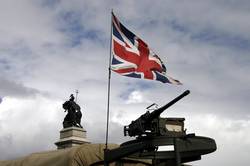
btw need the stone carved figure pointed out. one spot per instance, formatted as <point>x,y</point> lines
<point>74,115</point>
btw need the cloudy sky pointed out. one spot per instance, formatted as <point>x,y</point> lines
<point>50,48</point>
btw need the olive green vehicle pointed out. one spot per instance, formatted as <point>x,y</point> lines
<point>84,155</point>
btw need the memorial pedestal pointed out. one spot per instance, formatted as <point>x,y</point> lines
<point>71,136</point>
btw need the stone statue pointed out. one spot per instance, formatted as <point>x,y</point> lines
<point>74,115</point>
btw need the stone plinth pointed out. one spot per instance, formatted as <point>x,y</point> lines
<point>71,136</point>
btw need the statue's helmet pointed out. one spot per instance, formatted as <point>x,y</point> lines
<point>72,98</point>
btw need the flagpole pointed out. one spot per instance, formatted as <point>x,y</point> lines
<point>109,78</point>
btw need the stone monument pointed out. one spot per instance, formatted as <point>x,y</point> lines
<point>72,134</point>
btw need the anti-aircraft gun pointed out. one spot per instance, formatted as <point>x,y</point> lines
<point>164,140</point>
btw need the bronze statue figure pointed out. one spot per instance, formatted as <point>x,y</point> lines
<point>74,115</point>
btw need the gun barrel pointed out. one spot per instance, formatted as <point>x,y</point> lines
<point>156,113</point>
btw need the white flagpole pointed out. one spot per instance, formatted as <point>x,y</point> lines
<point>109,78</point>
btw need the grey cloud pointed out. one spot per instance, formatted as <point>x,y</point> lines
<point>14,89</point>
<point>222,23</point>
<point>20,22</point>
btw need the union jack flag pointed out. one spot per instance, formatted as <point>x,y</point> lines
<point>133,58</point>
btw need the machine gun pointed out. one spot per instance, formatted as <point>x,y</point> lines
<point>150,124</point>
<point>153,132</point>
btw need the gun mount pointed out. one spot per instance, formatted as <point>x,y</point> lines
<point>150,124</point>
<point>153,133</point>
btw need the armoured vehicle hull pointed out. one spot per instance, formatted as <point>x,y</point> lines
<point>190,148</point>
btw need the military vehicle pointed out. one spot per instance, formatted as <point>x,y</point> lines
<point>155,136</point>
<point>158,141</point>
